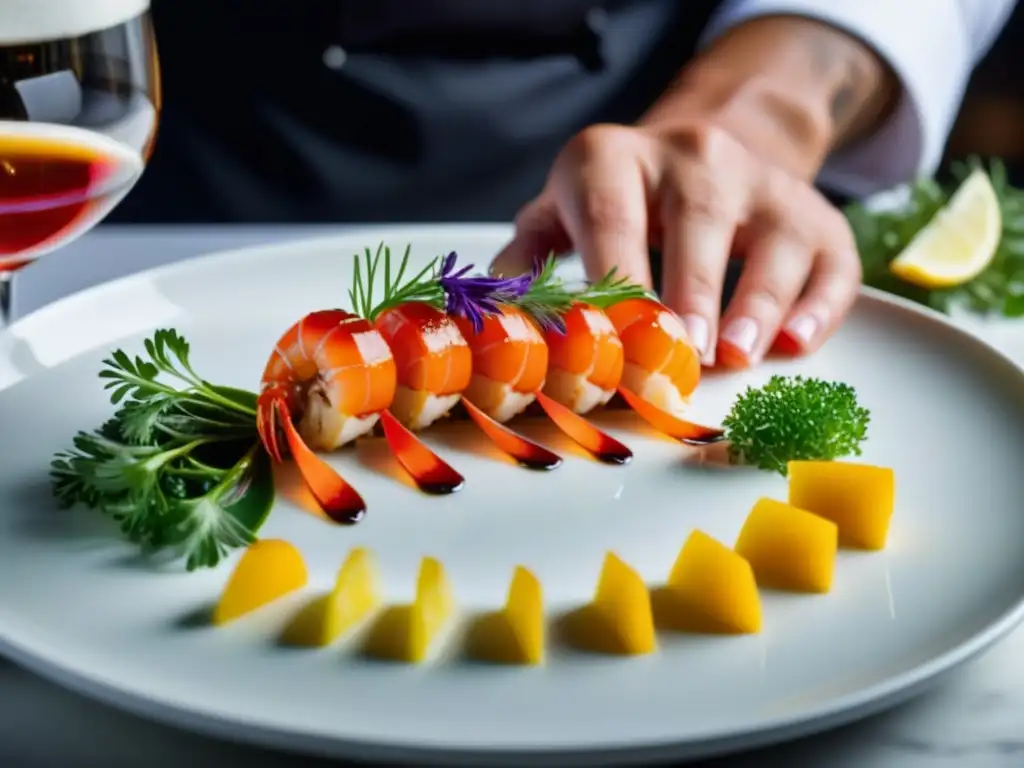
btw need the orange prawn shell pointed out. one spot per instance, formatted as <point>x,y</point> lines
<point>430,351</point>
<point>346,360</point>
<point>510,362</point>
<point>657,351</point>
<point>433,361</point>
<point>588,355</point>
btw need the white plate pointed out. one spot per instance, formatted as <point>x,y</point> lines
<point>947,414</point>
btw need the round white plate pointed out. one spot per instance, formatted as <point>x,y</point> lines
<point>77,606</point>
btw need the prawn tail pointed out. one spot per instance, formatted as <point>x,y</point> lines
<point>602,446</point>
<point>339,501</point>
<point>266,424</point>
<point>684,431</point>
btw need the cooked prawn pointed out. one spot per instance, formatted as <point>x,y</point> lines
<point>335,375</point>
<point>510,362</point>
<point>661,364</point>
<point>433,362</point>
<point>662,367</point>
<point>585,359</point>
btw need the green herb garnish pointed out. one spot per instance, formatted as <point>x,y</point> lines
<point>795,418</point>
<point>882,235</point>
<point>424,286</point>
<point>547,298</point>
<point>611,289</point>
<point>180,466</point>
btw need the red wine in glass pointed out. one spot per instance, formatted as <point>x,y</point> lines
<point>79,108</point>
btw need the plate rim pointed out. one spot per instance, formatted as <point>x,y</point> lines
<point>844,709</point>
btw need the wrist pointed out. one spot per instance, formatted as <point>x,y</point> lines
<point>791,128</point>
<point>790,89</point>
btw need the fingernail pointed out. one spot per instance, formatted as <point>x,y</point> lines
<point>741,334</point>
<point>697,329</point>
<point>802,328</point>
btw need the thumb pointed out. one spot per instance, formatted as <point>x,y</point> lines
<point>539,232</point>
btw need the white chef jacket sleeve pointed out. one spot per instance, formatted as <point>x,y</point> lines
<point>932,46</point>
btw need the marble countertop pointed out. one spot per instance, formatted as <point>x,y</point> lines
<point>975,716</point>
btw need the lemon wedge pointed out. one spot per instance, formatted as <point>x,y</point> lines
<point>959,242</point>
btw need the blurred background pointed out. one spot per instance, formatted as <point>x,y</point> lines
<point>991,122</point>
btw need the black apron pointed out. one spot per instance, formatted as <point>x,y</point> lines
<point>323,111</point>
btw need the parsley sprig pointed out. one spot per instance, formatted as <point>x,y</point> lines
<point>882,235</point>
<point>795,418</point>
<point>179,468</point>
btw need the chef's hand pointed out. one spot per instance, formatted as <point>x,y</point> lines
<point>702,184</point>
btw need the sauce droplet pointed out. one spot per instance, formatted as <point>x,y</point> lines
<point>685,431</point>
<point>339,500</point>
<point>604,447</point>
<point>430,473</point>
<point>526,452</point>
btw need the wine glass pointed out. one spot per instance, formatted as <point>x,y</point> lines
<point>79,107</point>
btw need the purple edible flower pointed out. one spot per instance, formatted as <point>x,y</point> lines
<point>476,297</point>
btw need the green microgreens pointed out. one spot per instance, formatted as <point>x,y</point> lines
<point>794,418</point>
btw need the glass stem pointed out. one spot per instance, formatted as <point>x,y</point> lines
<point>6,298</point>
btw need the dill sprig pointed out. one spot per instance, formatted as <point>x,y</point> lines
<point>794,418</point>
<point>179,467</point>
<point>547,298</point>
<point>882,235</point>
<point>611,289</point>
<point>424,286</point>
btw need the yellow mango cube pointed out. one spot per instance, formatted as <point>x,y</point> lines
<point>355,594</point>
<point>858,498</point>
<point>268,570</point>
<point>789,548</point>
<point>515,634</point>
<point>711,589</point>
<point>619,619</point>
<point>405,633</point>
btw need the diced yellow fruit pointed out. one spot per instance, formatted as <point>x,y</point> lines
<point>624,604</point>
<point>268,570</point>
<point>789,548</point>
<point>515,634</point>
<point>712,589</point>
<point>355,594</point>
<point>959,242</point>
<point>525,611</point>
<point>405,633</point>
<point>858,498</point>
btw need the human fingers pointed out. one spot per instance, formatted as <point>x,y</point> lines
<point>703,199</point>
<point>831,291</point>
<point>774,273</point>
<point>538,234</point>
<point>600,186</point>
